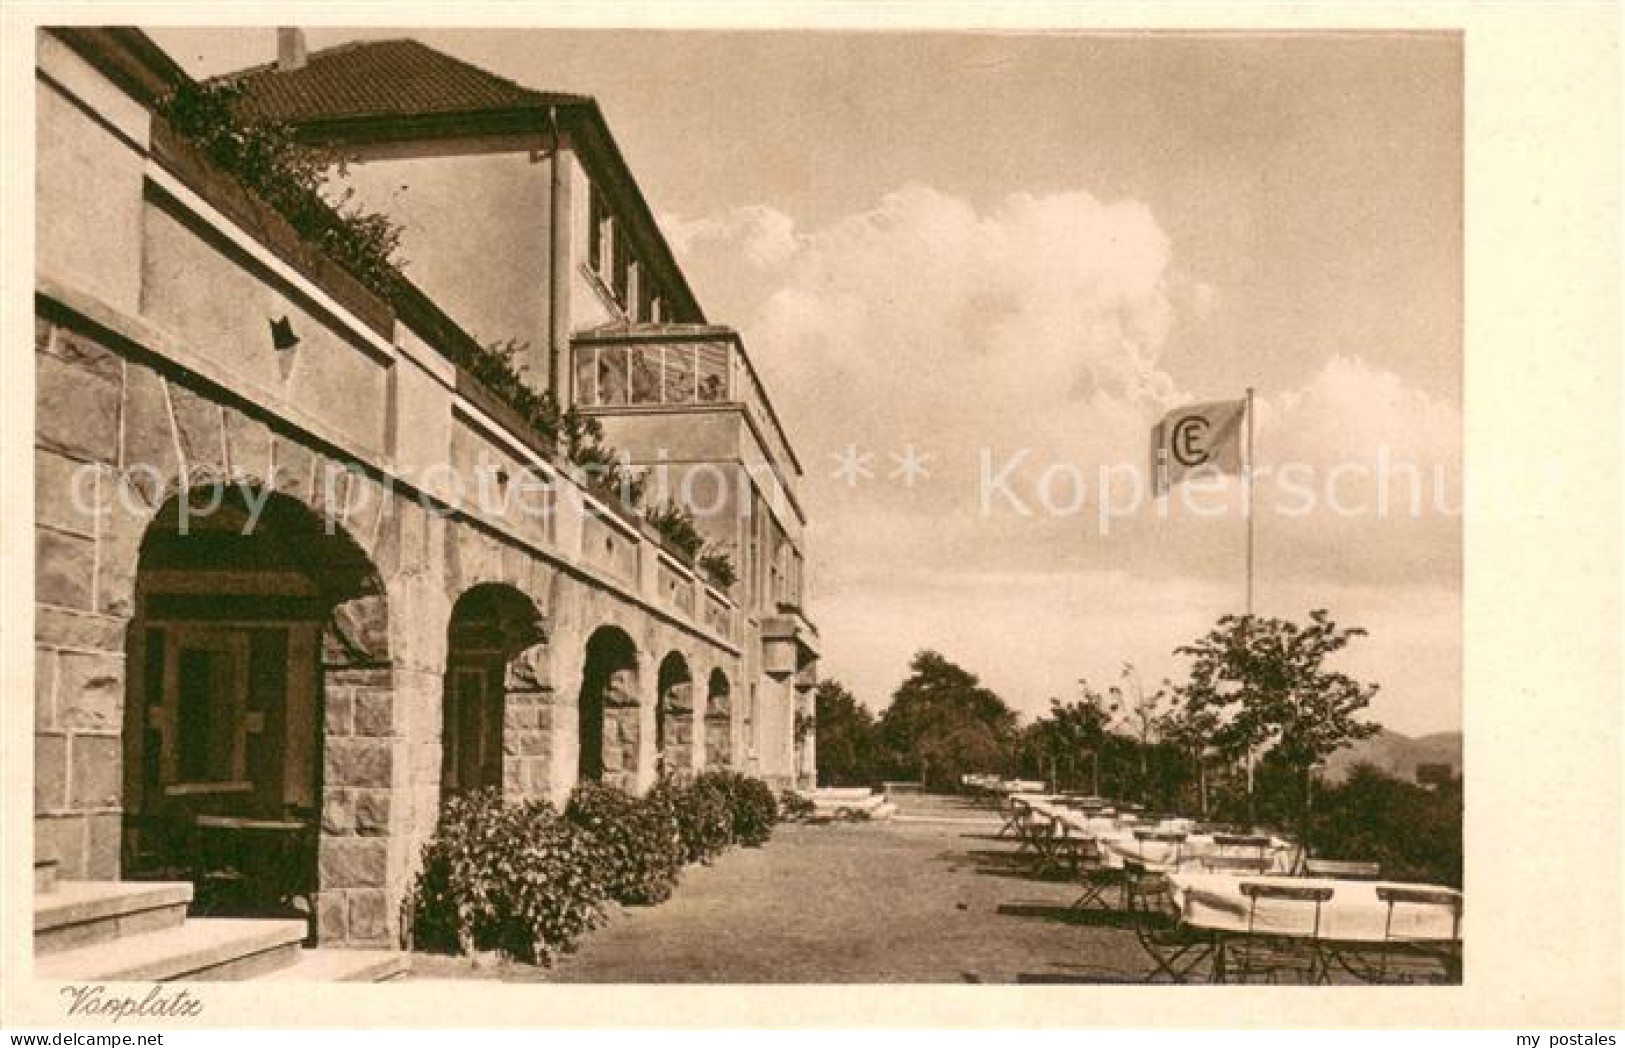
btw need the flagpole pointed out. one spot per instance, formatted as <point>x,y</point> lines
<point>1248,481</point>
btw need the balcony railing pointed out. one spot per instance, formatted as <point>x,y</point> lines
<point>676,366</point>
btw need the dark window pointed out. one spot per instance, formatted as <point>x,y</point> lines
<point>267,691</point>
<point>153,687</point>
<point>646,299</point>
<point>597,217</point>
<point>622,281</point>
<point>204,716</point>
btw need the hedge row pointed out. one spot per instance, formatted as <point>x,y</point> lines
<point>527,880</point>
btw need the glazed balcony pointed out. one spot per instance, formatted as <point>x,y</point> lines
<point>654,370</point>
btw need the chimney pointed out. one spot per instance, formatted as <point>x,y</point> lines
<point>290,50</point>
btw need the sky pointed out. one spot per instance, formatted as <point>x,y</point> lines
<point>1011,253</point>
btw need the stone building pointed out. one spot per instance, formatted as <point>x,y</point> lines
<point>299,575</point>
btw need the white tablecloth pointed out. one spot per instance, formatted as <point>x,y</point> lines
<point>1354,913</point>
<point>1118,843</point>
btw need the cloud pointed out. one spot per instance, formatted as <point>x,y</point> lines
<point>765,237</point>
<point>1032,334</point>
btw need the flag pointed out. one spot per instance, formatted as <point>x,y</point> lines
<point>1204,437</point>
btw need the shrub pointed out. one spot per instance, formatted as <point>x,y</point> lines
<point>751,802</point>
<point>704,819</point>
<point>719,566</point>
<point>608,474</point>
<point>793,807</point>
<point>755,812</point>
<point>676,526</point>
<point>1415,833</point>
<point>510,877</point>
<point>641,844</point>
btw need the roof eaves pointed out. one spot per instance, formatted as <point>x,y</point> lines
<point>623,172</point>
<point>129,57</point>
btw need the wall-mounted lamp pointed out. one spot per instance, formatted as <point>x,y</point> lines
<point>282,336</point>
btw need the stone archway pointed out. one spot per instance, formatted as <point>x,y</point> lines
<point>260,708</point>
<point>495,703</point>
<point>674,717</point>
<point>608,710</point>
<point>718,721</point>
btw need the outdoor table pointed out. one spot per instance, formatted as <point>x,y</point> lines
<point>235,822</point>
<point>1018,811</point>
<point>1118,844</point>
<point>1019,786</point>
<point>1355,919</point>
<point>272,858</point>
<point>1355,912</point>
<point>1041,821</point>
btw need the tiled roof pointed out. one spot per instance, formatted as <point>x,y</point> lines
<point>382,78</point>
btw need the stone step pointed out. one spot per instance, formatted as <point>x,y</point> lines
<point>45,872</point>
<point>215,949</point>
<point>83,913</point>
<point>336,965</point>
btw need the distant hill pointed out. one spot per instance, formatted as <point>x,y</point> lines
<point>1397,754</point>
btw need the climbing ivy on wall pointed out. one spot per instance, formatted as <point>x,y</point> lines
<point>268,160</point>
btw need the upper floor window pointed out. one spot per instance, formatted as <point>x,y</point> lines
<point>600,231</point>
<point>647,303</point>
<point>620,284</point>
<point>640,372</point>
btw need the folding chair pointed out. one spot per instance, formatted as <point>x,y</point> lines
<point>1342,869</point>
<point>1048,841</point>
<point>1015,813</point>
<point>1273,951</point>
<point>1234,864</point>
<point>1244,845</point>
<point>1177,951</point>
<point>1096,875</point>
<point>1420,958</point>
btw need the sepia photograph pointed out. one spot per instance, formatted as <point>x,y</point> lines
<point>541,504</point>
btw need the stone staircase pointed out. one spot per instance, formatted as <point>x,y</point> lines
<point>138,931</point>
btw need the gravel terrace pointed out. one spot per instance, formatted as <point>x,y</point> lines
<point>929,897</point>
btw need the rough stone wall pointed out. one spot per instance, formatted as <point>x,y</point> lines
<point>126,433</point>
<point>719,730</point>
<point>83,579</point>
<point>623,729</point>
<point>109,408</point>
<point>528,721</point>
<point>679,702</point>
<point>190,390</point>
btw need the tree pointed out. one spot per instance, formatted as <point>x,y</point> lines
<point>1070,733</point>
<point>1191,732</point>
<point>846,736</point>
<point>1266,681</point>
<point>1141,711</point>
<point>1414,832</point>
<point>942,723</point>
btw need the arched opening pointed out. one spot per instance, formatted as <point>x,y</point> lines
<point>718,721</point>
<point>251,615</point>
<point>608,709</point>
<point>674,716</point>
<point>495,677</point>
